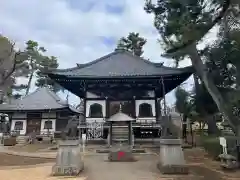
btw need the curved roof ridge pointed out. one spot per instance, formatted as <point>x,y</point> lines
<point>30,94</point>
<point>97,60</point>
<point>56,97</point>
<point>79,66</point>
<point>111,65</point>
<point>120,116</point>
<point>138,57</point>
<point>62,70</point>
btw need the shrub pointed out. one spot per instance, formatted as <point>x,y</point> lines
<point>211,146</point>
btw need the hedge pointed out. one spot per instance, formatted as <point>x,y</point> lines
<point>213,148</point>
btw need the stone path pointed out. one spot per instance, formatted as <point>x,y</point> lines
<point>98,168</point>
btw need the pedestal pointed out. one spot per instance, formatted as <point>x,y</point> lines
<point>121,154</point>
<point>68,161</point>
<point>171,157</point>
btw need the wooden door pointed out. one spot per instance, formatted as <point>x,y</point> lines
<point>33,125</point>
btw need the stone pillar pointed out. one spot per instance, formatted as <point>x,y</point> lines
<point>171,157</point>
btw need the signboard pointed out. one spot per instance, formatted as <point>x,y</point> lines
<point>223,143</point>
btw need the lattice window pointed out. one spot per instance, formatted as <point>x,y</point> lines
<point>34,115</point>
<point>18,125</point>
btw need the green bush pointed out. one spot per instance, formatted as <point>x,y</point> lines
<point>211,146</point>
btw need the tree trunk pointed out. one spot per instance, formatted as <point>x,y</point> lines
<point>184,127</point>
<point>202,72</point>
<point>212,126</point>
<point>238,74</point>
<point>29,83</point>
<point>1,96</point>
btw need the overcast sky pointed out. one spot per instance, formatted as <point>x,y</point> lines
<point>79,31</point>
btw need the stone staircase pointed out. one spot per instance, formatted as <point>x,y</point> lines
<point>22,140</point>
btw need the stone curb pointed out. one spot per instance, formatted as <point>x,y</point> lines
<point>30,155</point>
<point>53,156</point>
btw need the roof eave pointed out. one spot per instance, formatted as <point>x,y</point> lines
<point>186,70</point>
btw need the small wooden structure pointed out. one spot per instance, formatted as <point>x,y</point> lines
<point>120,137</point>
<point>120,128</point>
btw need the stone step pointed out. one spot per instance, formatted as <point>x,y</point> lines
<point>120,129</point>
<point>120,132</point>
<point>22,139</point>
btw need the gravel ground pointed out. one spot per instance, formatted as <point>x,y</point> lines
<point>97,168</point>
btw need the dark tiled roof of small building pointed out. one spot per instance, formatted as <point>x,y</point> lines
<point>41,99</point>
<point>120,64</point>
<point>120,117</point>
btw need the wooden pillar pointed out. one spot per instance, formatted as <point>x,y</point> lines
<point>85,103</point>
<point>156,110</point>
<point>110,133</point>
<point>107,108</point>
<point>130,133</point>
<point>134,107</point>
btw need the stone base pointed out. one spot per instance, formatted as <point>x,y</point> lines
<point>134,151</point>
<point>121,155</point>
<point>68,161</point>
<point>173,169</point>
<point>67,171</point>
<point>171,157</point>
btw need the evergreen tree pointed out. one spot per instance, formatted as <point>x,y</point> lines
<point>12,66</point>
<point>133,43</point>
<point>38,62</point>
<point>182,25</point>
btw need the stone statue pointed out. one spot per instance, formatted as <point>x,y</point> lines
<point>69,161</point>
<point>4,124</point>
<point>168,129</point>
<point>71,130</point>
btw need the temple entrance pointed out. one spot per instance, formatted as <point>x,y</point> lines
<point>33,123</point>
<point>33,126</point>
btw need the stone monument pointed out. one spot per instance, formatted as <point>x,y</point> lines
<point>171,157</point>
<point>69,161</point>
<point>171,154</point>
